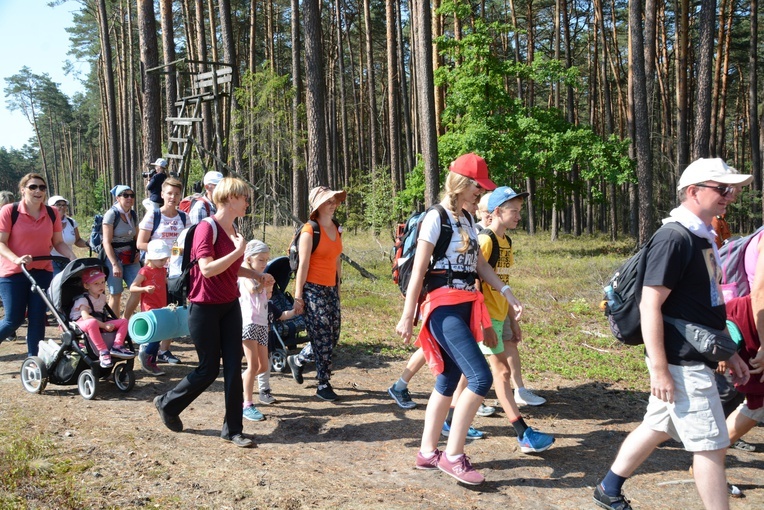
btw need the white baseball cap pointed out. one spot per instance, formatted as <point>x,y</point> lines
<point>160,162</point>
<point>56,198</point>
<point>712,169</point>
<point>212,177</point>
<point>157,250</point>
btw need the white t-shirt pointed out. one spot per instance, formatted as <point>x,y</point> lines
<point>168,229</point>
<point>68,225</point>
<point>465,262</point>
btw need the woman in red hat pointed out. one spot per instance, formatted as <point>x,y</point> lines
<point>454,318</point>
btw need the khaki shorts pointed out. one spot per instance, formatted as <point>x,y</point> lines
<point>498,326</point>
<point>696,417</point>
<point>754,414</point>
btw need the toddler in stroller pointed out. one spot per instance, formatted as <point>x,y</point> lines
<point>77,360</point>
<point>285,329</point>
<point>88,312</point>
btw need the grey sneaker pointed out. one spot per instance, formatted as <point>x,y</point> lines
<point>609,502</point>
<point>240,440</point>
<point>149,364</point>
<point>402,398</point>
<point>265,397</point>
<point>524,396</point>
<point>295,368</point>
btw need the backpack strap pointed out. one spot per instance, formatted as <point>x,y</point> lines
<point>155,224</point>
<point>317,232</point>
<point>182,217</point>
<point>446,231</point>
<point>15,213</point>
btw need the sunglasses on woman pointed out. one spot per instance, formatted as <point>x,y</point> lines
<point>35,187</point>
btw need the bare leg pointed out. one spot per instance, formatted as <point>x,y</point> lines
<point>513,361</point>
<point>501,383</point>
<point>164,345</point>
<point>739,425</point>
<point>459,389</point>
<point>253,365</point>
<point>132,304</point>
<point>708,471</point>
<point>464,413</point>
<point>636,448</point>
<point>435,415</point>
<point>114,302</point>
<point>416,362</point>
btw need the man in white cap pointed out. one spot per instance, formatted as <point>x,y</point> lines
<point>682,280</point>
<point>155,181</point>
<point>204,207</point>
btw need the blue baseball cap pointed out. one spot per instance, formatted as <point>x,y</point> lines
<point>501,195</point>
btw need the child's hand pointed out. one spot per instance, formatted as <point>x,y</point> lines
<point>107,326</point>
<point>150,289</point>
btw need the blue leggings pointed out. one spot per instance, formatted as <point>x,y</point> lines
<point>461,354</point>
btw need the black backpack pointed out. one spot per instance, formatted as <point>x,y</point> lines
<point>494,257</point>
<point>15,213</point>
<point>624,291</point>
<point>178,286</point>
<point>294,246</point>
<point>403,262</point>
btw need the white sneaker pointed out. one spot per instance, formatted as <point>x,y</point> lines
<point>524,396</point>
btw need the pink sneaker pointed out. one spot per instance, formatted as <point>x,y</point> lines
<point>462,470</point>
<point>425,463</point>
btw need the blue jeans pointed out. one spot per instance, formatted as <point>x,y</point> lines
<point>18,299</point>
<point>450,325</point>
<point>129,272</point>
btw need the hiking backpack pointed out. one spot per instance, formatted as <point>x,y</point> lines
<point>179,285</point>
<point>624,292</point>
<point>494,257</point>
<point>294,247</point>
<point>188,203</point>
<point>96,231</point>
<point>15,213</point>
<point>734,277</point>
<point>403,259</point>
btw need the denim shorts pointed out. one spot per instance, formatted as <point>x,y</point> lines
<point>696,417</point>
<point>129,272</point>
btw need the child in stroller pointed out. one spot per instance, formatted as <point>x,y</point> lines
<point>74,361</point>
<point>88,312</point>
<point>285,330</point>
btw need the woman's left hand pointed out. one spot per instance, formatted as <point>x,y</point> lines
<point>490,339</point>
<point>513,302</point>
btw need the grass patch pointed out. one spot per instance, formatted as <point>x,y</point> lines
<point>33,472</point>
<point>559,283</point>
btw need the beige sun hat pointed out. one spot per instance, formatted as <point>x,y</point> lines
<point>321,194</point>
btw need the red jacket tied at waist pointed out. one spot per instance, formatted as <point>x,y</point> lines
<point>444,296</point>
<point>740,312</point>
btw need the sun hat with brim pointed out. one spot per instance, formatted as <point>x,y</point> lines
<point>160,162</point>
<point>157,250</point>
<point>321,194</point>
<point>92,275</point>
<point>56,198</point>
<point>501,195</point>
<point>473,166</point>
<point>712,169</point>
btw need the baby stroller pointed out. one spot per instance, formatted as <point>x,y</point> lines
<point>283,335</point>
<point>75,361</point>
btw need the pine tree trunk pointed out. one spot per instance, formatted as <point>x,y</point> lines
<point>314,95</point>
<point>111,94</point>
<point>426,102</point>
<point>702,132</point>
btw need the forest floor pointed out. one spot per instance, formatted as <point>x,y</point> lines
<point>114,452</point>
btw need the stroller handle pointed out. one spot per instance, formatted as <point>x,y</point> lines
<point>57,258</point>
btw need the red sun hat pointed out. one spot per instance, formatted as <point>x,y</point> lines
<point>473,166</point>
<point>92,275</point>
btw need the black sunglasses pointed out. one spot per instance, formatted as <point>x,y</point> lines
<point>35,187</point>
<point>128,195</point>
<point>722,190</point>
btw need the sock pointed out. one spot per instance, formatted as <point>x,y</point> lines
<point>322,386</point>
<point>450,416</point>
<point>264,380</point>
<point>454,458</point>
<point>400,385</point>
<point>427,455</point>
<point>160,352</point>
<point>247,403</point>
<point>612,484</point>
<point>520,427</point>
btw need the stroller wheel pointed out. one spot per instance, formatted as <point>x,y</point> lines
<point>87,384</point>
<point>124,378</point>
<point>278,360</point>
<point>34,374</point>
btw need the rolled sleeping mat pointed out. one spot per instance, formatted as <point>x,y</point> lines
<point>160,324</point>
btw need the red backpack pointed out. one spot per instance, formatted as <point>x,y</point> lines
<point>187,203</point>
